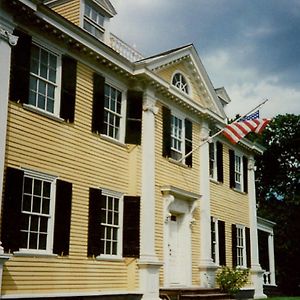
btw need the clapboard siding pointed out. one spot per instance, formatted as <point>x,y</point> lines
<point>69,10</point>
<point>75,154</point>
<point>228,205</point>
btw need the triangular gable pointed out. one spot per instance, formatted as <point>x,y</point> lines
<point>106,6</point>
<point>185,59</point>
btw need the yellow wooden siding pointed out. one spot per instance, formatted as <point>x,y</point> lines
<point>167,74</point>
<point>170,173</point>
<point>228,205</point>
<point>69,10</point>
<point>75,154</point>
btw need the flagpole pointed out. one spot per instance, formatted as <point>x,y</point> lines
<point>220,131</point>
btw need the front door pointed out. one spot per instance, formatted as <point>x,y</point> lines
<point>173,248</point>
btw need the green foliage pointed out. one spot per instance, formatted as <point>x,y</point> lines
<point>231,280</point>
<point>278,195</point>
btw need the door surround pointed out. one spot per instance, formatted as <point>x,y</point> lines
<point>180,203</point>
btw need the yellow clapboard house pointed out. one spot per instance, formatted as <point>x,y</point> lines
<point>101,198</point>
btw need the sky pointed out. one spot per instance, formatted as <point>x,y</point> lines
<point>250,47</point>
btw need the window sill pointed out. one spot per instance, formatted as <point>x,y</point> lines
<point>239,191</point>
<point>109,258</point>
<point>215,181</point>
<point>42,113</point>
<point>33,254</point>
<point>176,162</point>
<point>112,140</point>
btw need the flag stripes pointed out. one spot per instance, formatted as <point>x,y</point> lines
<point>237,130</point>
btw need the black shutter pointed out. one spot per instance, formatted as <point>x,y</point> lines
<point>131,227</point>
<point>134,117</point>
<point>11,214</point>
<point>248,247</point>
<point>234,245</point>
<point>231,169</point>
<point>20,68</point>
<point>245,173</point>
<point>188,142</point>
<point>98,103</point>
<point>62,224</point>
<point>68,88</point>
<point>220,162</point>
<point>95,246</point>
<point>222,245</point>
<point>166,147</point>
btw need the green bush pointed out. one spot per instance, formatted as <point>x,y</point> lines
<point>231,280</point>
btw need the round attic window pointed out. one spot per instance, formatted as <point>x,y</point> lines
<point>180,82</point>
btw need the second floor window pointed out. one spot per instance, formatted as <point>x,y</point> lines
<point>112,111</point>
<point>177,137</point>
<point>238,178</point>
<point>93,21</point>
<point>212,160</point>
<point>44,80</point>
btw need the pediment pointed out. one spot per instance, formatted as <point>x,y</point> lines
<point>106,6</point>
<point>186,61</point>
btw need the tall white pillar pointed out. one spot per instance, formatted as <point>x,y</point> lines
<point>148,263</point>
<point>207,268</point>
<point>256,270</point>
<point>7,40</point>
<point>271,258</point>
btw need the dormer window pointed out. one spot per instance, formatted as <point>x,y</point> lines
<point>180,82</point>
<point>93,21</point>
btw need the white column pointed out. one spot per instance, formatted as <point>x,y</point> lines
<point>271,259</point>
<point>207,268</point>
<point>256,270</point>
<point>7,40</point>
<point>148,263</point>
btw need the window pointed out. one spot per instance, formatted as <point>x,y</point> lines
<point>44,77</point>
<point>240,246</point>
<point>112,111</point>
<point>93,21</point>
<point>111,213</point>
<point>238,178</point>
<point>177,137</point>
<point>218,251</point>
<point>212,160</point>
<point>238,167</point>
<point>114,224</point>
<point>214,241</point>
<point>180,82</point>
<point>216,161</point>
<point>37,212</point>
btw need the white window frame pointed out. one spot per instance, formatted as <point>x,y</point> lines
<point>50,225</point>
<point>182,87</point>
<point>48,48</point>
<point>213,160</point>
<point>122,115</point>
<point>215,242</point>
<point>238,171</point>
<point>96,25</point>
<point>119,196</point>
<point>241,255</point>
<point>178,115</point>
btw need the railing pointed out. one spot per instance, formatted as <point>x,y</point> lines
<point>124,49</point>
<point>267,278</point>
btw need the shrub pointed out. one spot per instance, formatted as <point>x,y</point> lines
<point>231,280</point>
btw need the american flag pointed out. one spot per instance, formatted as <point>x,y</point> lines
<point>237,130</point>
<point>253,116</point>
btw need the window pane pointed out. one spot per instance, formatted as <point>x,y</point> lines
<point>41,101</point>
<point>33,241</point>
<point>26,203</point>
<point>50,105</point>
<point>32,98</point>
<point>46,189</point>
<point>36,207</point>
<point>42,241</point>
<point>52,75</point>
<point>34,223</point>
<point>43,224</point>
<point>27,185</point>
<point>37,187</point>
<point>46,206</point>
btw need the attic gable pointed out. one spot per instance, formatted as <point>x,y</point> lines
<point>106,6</point>
<point>185,60</point>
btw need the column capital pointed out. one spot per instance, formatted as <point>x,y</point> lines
<point>7,36</point>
